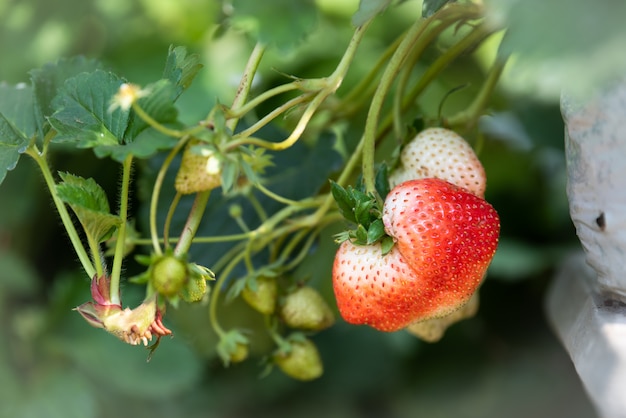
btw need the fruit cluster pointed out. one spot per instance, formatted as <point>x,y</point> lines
<point>444,235</point>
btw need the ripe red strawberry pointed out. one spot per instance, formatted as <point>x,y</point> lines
<point>445,239</point>
<point>380,291</point>
<point>447,235</point>
<point>443,154</point>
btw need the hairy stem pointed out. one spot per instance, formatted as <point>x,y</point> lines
<point>116,269</point>
<point>66,219</point>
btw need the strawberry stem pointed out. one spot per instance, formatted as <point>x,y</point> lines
<point>62,210</point>
<point>116,269</point>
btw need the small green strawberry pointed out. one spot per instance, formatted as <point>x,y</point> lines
<point>260,293</point>
<point>302,361</point>
<point>169,275</point>
<point>200,169</point>
<point>306,309</point>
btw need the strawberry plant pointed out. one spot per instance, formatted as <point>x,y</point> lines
<point>232,154</point>
<point>337,187</point>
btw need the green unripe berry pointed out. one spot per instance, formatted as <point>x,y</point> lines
<point>169,275</point>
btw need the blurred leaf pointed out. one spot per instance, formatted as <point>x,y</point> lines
<point>283,23</point>
<point>82,111</point>
<point>575,45</point>
<point>368,9</point>
<point>12,144</point>
<point>17,105</point>
<point>181,68</point>
<point>89,202</point>
<point>57,394</point>
<point>173,368</point>
<point>17,275</point>
<point>430,7</point>
<point>48,79</point>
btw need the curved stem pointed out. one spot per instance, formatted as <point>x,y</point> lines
<point>239,112</point>
<point>470,115</point>
<point>387,79</point>
<point>154,124</point>
<point>168,220</point>
<point>116,269</point>
<point>63,213</point>
<point>474,37</point>
<point>216,293</point>
<point>156,190</point>
<point>240,137</point>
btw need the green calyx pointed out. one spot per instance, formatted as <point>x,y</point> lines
<point>364,210</point>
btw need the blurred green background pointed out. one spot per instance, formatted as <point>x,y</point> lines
<point>504,362</point>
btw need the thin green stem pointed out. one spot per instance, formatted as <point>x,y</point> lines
<point>239,112</point>
<point>116,269</point>
<point>66,219</point>
<point>96,253</point>
<point>193,222</point>
<point>239,138</point>
<point>216,293</point>
<point>246,83</point>
<point>168,219</point>
<point>470,115</point>
<point>445,17</point>
<point>156,191</point>
<point>154,124</point>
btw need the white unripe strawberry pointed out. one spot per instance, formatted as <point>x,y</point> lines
<point>442,154</point>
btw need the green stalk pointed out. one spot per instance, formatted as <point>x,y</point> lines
<point>66,219</point>
<point>470,115</point>
<point>156,190</point>
<point>387,79</point>
<point>116,269</point>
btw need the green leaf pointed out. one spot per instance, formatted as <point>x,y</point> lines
<point>344,200</point>
<point>89,202</point>
<point>82,111</point>
<point>282,23</point>
<point>180,68</point>
<point>148,143</point>
<point>12,144</point>
<point>430,7</point>
<point>159,105</point>
<point>368,9</point>
<point>17,104</point>
<point>48,79</point>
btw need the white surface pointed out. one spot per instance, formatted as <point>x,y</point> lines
<point>593,331</point>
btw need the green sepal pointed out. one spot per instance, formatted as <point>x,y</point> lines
<point>376,231</point>
<point>344,200</point>
<point>386,244</point>
<point>382,181</point>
